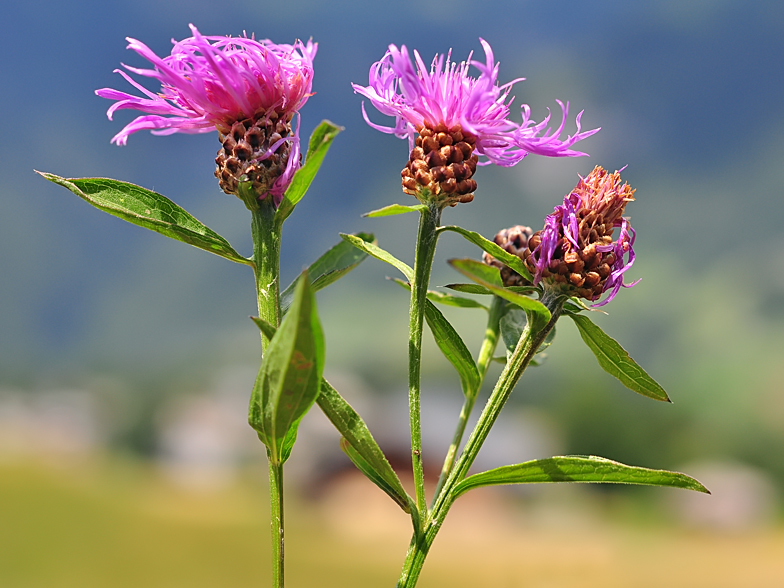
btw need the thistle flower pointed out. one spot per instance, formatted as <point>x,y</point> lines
<point>576,253</point>
<point>451,118</point>
<point>247,90</point>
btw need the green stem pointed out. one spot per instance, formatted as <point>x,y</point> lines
<point>526,348</point>
<point>483,362</point>
<point>266,264</point>
<point>276,515</point>
<point>423,263</point>
<point>266,267</point>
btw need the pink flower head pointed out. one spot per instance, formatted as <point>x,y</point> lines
<point>211,82</point>
<point>576,252</point>
<point>445,94</point>
<point>248,90</point>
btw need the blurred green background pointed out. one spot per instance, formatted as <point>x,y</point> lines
<point>126,359</point>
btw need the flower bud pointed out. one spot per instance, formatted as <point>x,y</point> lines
<point>515,241</point>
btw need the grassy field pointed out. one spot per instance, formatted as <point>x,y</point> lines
<point>123,524</point>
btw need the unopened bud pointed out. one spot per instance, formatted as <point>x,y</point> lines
<point>514,240</point>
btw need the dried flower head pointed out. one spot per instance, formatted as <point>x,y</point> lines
<point>515,241</point>
<point>247,90</point>
<point>576,252</point>
<point>450,118</point>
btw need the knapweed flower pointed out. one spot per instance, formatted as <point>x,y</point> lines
<point>450,118</point>
<point>576,253</point>
<point>247,90</point>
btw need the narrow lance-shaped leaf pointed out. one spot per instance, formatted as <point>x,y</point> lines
<point>394,209</point>
<point>357,435</point>
<point>290,375</point>
<point>616,361</point>
<point>319,144</point>
<point>577,469</point>
<point>490,278</point>
<point>373,474</point>
<point>267,329</point>
<point>446,299</point>
<point>453,348</point>
<point>502,255</point>
<point>477,289</point>
<point>469,289</point>
<point>330,267</point>
<point>379,253</point>
<point>148,209</point>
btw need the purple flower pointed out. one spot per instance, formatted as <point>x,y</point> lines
<point>576,252</point>
<point>446,94</point>
<point>210,83</point>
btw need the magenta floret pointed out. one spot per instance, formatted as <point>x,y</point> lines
<point>447,94</point>
<point>209,83</point>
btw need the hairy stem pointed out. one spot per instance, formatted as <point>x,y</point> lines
<point>423,263</point>
<point>526,348</point>
<point>266,266</point>
<point>276,514</point>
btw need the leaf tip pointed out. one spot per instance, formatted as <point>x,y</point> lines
<point>46,175</point>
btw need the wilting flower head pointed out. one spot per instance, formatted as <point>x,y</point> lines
<point>576,252</point>
<point>246,89</point>
<point>450,117</point>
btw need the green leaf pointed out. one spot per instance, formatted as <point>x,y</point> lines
<point>371,460</point>
<point>616,361</point>
<point>267,329</point>
<point>577,305</point>
<point>453,348</point>
<point>469,289</point>
<point>330,267</point>
<point>363,450</point>
<point>577,468</point>
<point>508,259</point>
<point>394,209</point>
<point>451,345</point>
<point>319,144</point>
<point>449,300</point>
<point>490,278</point>
<point>445,299</point>
<point>512,325</point>
<point>477,289</point>
<point>372,474</point>
<point>378,253</point>
<point>289,379</point>
<point>148,209</point>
